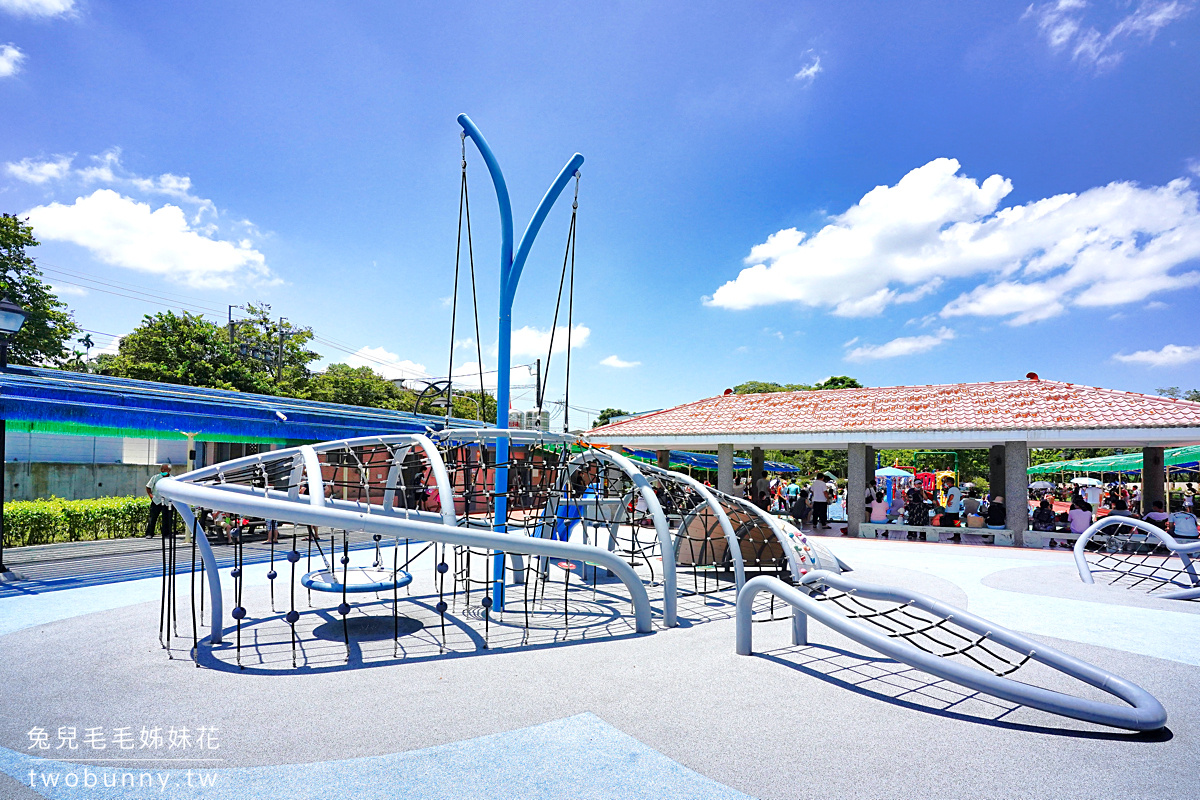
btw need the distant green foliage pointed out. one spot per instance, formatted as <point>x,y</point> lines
<point>762,387</point>
<point>1186,394</point>
<point>28,522</point>
<point>606,416</point>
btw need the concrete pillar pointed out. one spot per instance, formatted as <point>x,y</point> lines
<point>725,468</point>
<point>856,486</point>
<point>664,459</point>
<point>1016,489</point>
<point>1154,478</point>
<point>870,459</point>
<point>996,469</point>
<point>756,470</point>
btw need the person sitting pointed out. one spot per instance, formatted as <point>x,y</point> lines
<point>879,508</point>
<point>1156,515</point>
<point>997,514</point>
<point>1080,515</point>
<point>1043,517</point>
<point>1183,526</point>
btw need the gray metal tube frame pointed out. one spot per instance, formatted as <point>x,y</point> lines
<point>661,528</point>
<point>714,505</point>
<point>208,496</point>
<point>1145,713</point>
<point>1184,551</point>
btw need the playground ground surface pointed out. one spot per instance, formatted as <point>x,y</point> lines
<point>593,711</point>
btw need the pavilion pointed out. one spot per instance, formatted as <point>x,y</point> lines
<point>1005,417</point>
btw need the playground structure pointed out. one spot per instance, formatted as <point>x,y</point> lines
<point>1139,554</point>
<point>930,635</point>
<point>508,506</point>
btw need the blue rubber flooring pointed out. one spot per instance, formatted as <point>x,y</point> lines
<point>580,757</point>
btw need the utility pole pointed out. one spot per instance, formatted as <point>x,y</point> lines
<point>231,325</point>
<point>279,361</point>
<point>538,393</point>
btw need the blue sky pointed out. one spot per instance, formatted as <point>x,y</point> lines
<point>730,227</point>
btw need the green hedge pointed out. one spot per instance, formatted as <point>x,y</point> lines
<point>56,520</point>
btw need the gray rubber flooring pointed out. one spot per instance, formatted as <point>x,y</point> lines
<point>829,720</point>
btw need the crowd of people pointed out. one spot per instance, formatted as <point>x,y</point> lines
<point>1115,500</point>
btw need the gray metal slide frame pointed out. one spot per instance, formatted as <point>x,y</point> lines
<point>1144,712</point>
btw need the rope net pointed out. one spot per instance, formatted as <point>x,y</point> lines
<point>1135,558</point>
<point>924,630</point>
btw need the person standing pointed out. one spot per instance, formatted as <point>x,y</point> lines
<point>762,491</point>
<point>820,502</point>
<point>160,509</point>
<point>953,502</point>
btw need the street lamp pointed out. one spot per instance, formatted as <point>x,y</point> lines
<point>12,317</point>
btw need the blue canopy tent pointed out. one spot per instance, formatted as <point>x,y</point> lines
<point>708,461</point>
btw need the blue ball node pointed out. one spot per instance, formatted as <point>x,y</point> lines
<point>235,572</point>
<point>292,617</point>
<point>441,607</point>
<point>377,537</point>
<point>344,609</point>
<point>294,556</point>
<point>443,567</point>
<point>239,613</point>
<point>272,575</point>
<point>487,602</point>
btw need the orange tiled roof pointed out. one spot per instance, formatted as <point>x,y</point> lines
<point>1001,405</point>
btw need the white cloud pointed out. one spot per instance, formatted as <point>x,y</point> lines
<point>534,342</point>
<point>1029,302</point>
<point>38,8</point>
<point>1172,355</point>
<point>613,361</point>
<point>1193,166</point>
<point>126,233</point>
<point>11,59</point>
<point>112,348</point>
<point>1064,28</point>
<point>1105,246</point>
<point>466,377</point>
<point>32,170</point>
<point>387,364</point>
<point>902,346</point>
<point>67,289</point>
<point>809,72</point>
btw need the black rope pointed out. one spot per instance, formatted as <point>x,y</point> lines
<point>570,311</point>
<point>192,580</point>
<point>162,599</point>
<point>292,615</point>
<point>396,598</point>
<point>344,608</point>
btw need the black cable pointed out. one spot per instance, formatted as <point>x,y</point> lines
<point>192,580</point>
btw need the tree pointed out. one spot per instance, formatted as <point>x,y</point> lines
<point>606,416</point>
<point>838,382</point>
<point>49,326</point>
<point>358,386</point>
<point>184,349</point>
<point>762,387</point>
<point>1187,394</point>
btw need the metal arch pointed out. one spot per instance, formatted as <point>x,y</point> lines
<point>661,528</point>
<point>739,568</point>
<point>216,607</point>
<point>1146,713</point>
<point>304,456</point>
<point>775,528</point>
<point>1184,551</point>
<point>184,494</point>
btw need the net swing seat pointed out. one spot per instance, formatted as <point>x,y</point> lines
<point>1139,554</point>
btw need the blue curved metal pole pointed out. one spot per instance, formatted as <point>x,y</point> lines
<point>510,274</point>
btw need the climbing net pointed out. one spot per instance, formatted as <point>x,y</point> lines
<point>924,630</point>
<point>1135,558</point>
<point>701,546</point>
